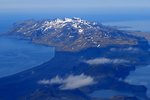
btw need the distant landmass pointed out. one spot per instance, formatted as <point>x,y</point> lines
<point>72,34</point>
<point>89,57</point>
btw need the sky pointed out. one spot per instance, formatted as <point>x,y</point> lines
<point>96,10</point>
<point>72,5</point>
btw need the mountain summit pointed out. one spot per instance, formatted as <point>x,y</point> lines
<point>72,34</point>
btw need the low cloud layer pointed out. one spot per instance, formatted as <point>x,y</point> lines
<point>98,61</point>
<point>129,49</point>
<point>70,82</point>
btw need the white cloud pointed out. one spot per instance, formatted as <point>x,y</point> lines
<point>131,49</point>
<point>70,82</point>
<point>55,80</point>
<point>98,61</point>
<point>119,61</point>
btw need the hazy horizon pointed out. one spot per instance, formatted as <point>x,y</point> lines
<point>73,5</point>
<point>96,10</point>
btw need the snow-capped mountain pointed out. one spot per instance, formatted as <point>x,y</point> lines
<point>72,34</point>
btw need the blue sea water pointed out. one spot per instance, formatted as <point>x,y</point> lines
<point>19,55</point>
<point>134,25</point>
<point>140,77</point>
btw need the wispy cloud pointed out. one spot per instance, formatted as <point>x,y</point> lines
<point>139,82</point>
<point>70,82</point>
<point>98,61</point>
<point>131,49</point>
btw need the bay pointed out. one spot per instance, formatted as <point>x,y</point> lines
<point>18,55</point>
<point>140,77</point>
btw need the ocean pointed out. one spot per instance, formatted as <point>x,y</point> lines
<point>19,55</point>
<point>133,25</point>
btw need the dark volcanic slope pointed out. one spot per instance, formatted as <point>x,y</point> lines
<point>25,85</point>
<point>102,58</point>
<point>72,34</point>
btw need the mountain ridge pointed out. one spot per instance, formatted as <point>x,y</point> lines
<point>72,34</point>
